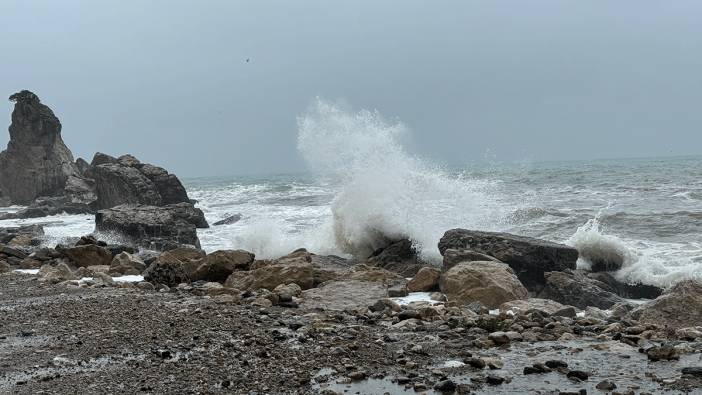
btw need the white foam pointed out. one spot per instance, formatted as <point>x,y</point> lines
<point>385,191</point>
<point>128,279</point>
<point>27,271</point>
<point>452,364</point>
<point>415,297</point>
<point>649,262</point>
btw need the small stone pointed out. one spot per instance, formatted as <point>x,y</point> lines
<point>693,371</point>
<point>499,337</point>
<point>606,385</point>
<point>408,315</point>
<point>556,364</point>
<point>577,374</point>
<point>397,291</point>
<point>494,380</point>
<point>665,352</point>
<point>357,376</point>
<point>476,363</point>
<point>531,370</point>
<point>445,386</point>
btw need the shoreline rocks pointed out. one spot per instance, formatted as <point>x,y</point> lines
<point>529,258</point>
<point>490,283</point>
<point>159,228</point>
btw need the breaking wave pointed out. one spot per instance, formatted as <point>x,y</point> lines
<point>385,192</point>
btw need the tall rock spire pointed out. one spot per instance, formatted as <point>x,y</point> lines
<point>36,162</point>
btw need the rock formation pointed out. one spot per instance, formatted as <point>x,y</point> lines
<point>529,258</point>
<point>38,170</point>
<point>159,228</point>
<point>126,180</point>
<point>36,162</point>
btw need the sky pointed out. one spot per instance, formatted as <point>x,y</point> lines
<point>168,80</point>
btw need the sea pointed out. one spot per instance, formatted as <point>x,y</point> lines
<point>364,186</point>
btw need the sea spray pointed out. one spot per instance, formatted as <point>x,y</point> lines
<point>384,191</point>
<point>597,248</point>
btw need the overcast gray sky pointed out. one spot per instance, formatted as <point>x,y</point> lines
<point>540,80</point>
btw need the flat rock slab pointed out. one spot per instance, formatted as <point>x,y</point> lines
<point>343,295</point>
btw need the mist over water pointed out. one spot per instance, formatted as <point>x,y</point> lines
<point>364,185</point>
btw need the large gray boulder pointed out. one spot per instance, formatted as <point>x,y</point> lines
<point>679,307</point>
<point>154,227</point>
<point>126,180</point>
<point>575,288</point>
<point>530,258</point>
<point>36,162</point>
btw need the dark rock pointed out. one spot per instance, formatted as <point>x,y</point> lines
<point>556,364</point>
<point>229,220</point>
<point>398,256</point>
<point>87,255</point>
<point>13,252</point>
<point>445,386</point>
<point>126,180</point>
<point>160,228</point>
<point>494,380</point>
<point>218,265</point>
<point>531,370</point>
<point>477,363</point>
<point>693,371</point>
<point>36,162</point>
<point>530,258</point>
<point>408,314</point>
<point>32,231</point>
<point>578,374</point>
<point>606,385</point>
<point>662,353</point>
<point>100,159</point>
<point>83,167</point>
<point>166,270</point>
<point>576,289</point>
<point>628,291</point>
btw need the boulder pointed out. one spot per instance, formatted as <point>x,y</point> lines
<point>628,291</point>
<point>530,258</point>
<point>56,274</point>
<point>576,289</point>
<point>33,231</point>
<point>166,270</point>
<point>295,267</point>
<point>218,265</point>
<point>36,162</point>
<point>490,283</point>
<point>453,256</point>
<point>398,256</point>
<point>125,263</point>
<point>159,228</point>
<point>126,180</point>
<point>344,295</point>
<point>426,279</point>
<point>87,255</point>
<point>679,307</point>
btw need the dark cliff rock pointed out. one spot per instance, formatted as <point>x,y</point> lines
<point>530,258</point>
<point>160,228</point>
<point>126,180</point>
<point>36,162</point>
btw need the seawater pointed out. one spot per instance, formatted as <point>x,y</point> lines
<point>362,185</point>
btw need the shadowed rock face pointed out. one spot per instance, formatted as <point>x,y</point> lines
<point>36,162</point>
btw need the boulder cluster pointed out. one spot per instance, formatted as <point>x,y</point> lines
<point>38,170</point>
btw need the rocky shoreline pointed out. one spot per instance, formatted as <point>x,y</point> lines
<point>192,322</point>
<point>138,307</point>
